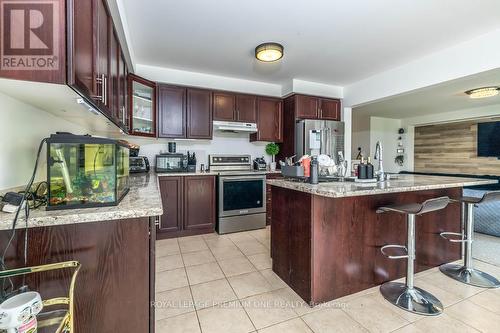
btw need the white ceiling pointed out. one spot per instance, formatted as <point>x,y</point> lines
<point>326,41</point>
<point>444,97</point>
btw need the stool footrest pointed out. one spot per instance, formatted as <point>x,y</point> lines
<point>393,246</point>
<point>446,235</point>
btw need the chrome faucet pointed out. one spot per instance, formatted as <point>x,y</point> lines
<point>381,176</point>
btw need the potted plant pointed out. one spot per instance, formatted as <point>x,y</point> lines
<point>273,150</point>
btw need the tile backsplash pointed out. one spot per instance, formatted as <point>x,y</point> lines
<point>222,143</point>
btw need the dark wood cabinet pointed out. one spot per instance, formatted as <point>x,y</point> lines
<point>81,38</point>
<point>307,107</point>
<point>269,120</point>
<point>142,106</point>
<point>304,107</point>
<point>96,65</point>
<point>329,109</point>
<point>102,60</point>
<point>184,112</point>
<point>189,206</point>
<point>172,192</point>
<point>224,106</point>
<point>199,114</point>
<point>113,56</point>
<point>199,202</point>
<point>235,107</point>
<point>311,107</point>
<point>171,111</point>
<point>246,108</point>
<point>123,109</point>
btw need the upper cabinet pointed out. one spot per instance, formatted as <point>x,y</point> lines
<point>329,109</point>
<point>171,111</point>
<point>246,108</point>
<point>224,106</point>
<point>142,113</point>
<point>269,120</point>
<point>310,107</point>
<point>306,107</point>
<point>96,63</point>
<point>103,54</point>
<point>199,114</point>
<point>184,113</point>
<point>123,105</point>
<point>235,107</point>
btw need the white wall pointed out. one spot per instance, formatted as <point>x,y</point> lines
<point>368,130</point>
<point>385,130</point>
<point>222,143</point>
<point>360,135</point>
<point>209,81</point>
<point>312,88</point>
<point>486,112</point>
<point>22,127</point>
<point>471,57</point>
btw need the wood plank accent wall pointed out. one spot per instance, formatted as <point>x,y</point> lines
<point>451,148</point>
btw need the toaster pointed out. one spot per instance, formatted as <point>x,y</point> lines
<point>138,164</point>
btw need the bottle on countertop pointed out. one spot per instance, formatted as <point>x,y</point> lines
<point>362,169</point>
<point>369,170</point>
<point>314,178</point>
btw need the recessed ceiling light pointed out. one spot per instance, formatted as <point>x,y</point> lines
<point>483,92</point>
<point>269,52</point>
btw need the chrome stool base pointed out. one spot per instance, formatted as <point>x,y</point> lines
<point>470,276</point>
<point>413,300</point>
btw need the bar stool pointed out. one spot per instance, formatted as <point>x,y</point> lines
<point>406,295</point>
<point>467,273</point>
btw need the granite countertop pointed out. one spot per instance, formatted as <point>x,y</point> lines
<point>178,174</point>
<point>210,173</point>
<point>143,200</point>
<point>403,183</point>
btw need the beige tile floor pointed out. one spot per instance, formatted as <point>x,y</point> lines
<point>220,284</point>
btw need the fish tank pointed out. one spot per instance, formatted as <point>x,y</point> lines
<point>85,171</point>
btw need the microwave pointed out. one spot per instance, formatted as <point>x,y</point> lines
<point>171,163</point>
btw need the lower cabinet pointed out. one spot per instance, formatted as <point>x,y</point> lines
<point>188,205</point>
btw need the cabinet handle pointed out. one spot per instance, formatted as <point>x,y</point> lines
<point>105,89</point>
<point>124,118</point>
<point>157,221</point>
<point>101,79</point>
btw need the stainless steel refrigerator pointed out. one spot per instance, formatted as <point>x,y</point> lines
<point>315,137</point>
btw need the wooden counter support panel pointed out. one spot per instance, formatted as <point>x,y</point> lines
<point>326,248</point>
<point>113,287</point>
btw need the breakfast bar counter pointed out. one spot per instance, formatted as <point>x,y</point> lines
<point>326,238</point>
<point>115,247</point>
<point>142,200</point>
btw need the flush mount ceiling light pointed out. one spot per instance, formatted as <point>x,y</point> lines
<point>269,52</point>
<point>483,92</point>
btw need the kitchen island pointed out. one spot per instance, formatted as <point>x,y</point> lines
<point>115,247</point>
<point>326,238</point>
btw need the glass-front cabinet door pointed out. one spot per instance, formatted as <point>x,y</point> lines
<point>142,95</point>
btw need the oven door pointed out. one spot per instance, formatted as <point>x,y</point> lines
<point>242,195</point>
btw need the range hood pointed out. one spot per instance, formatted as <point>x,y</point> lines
<point>233,126</point>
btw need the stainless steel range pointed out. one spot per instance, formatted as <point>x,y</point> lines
<point>241,193</point>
